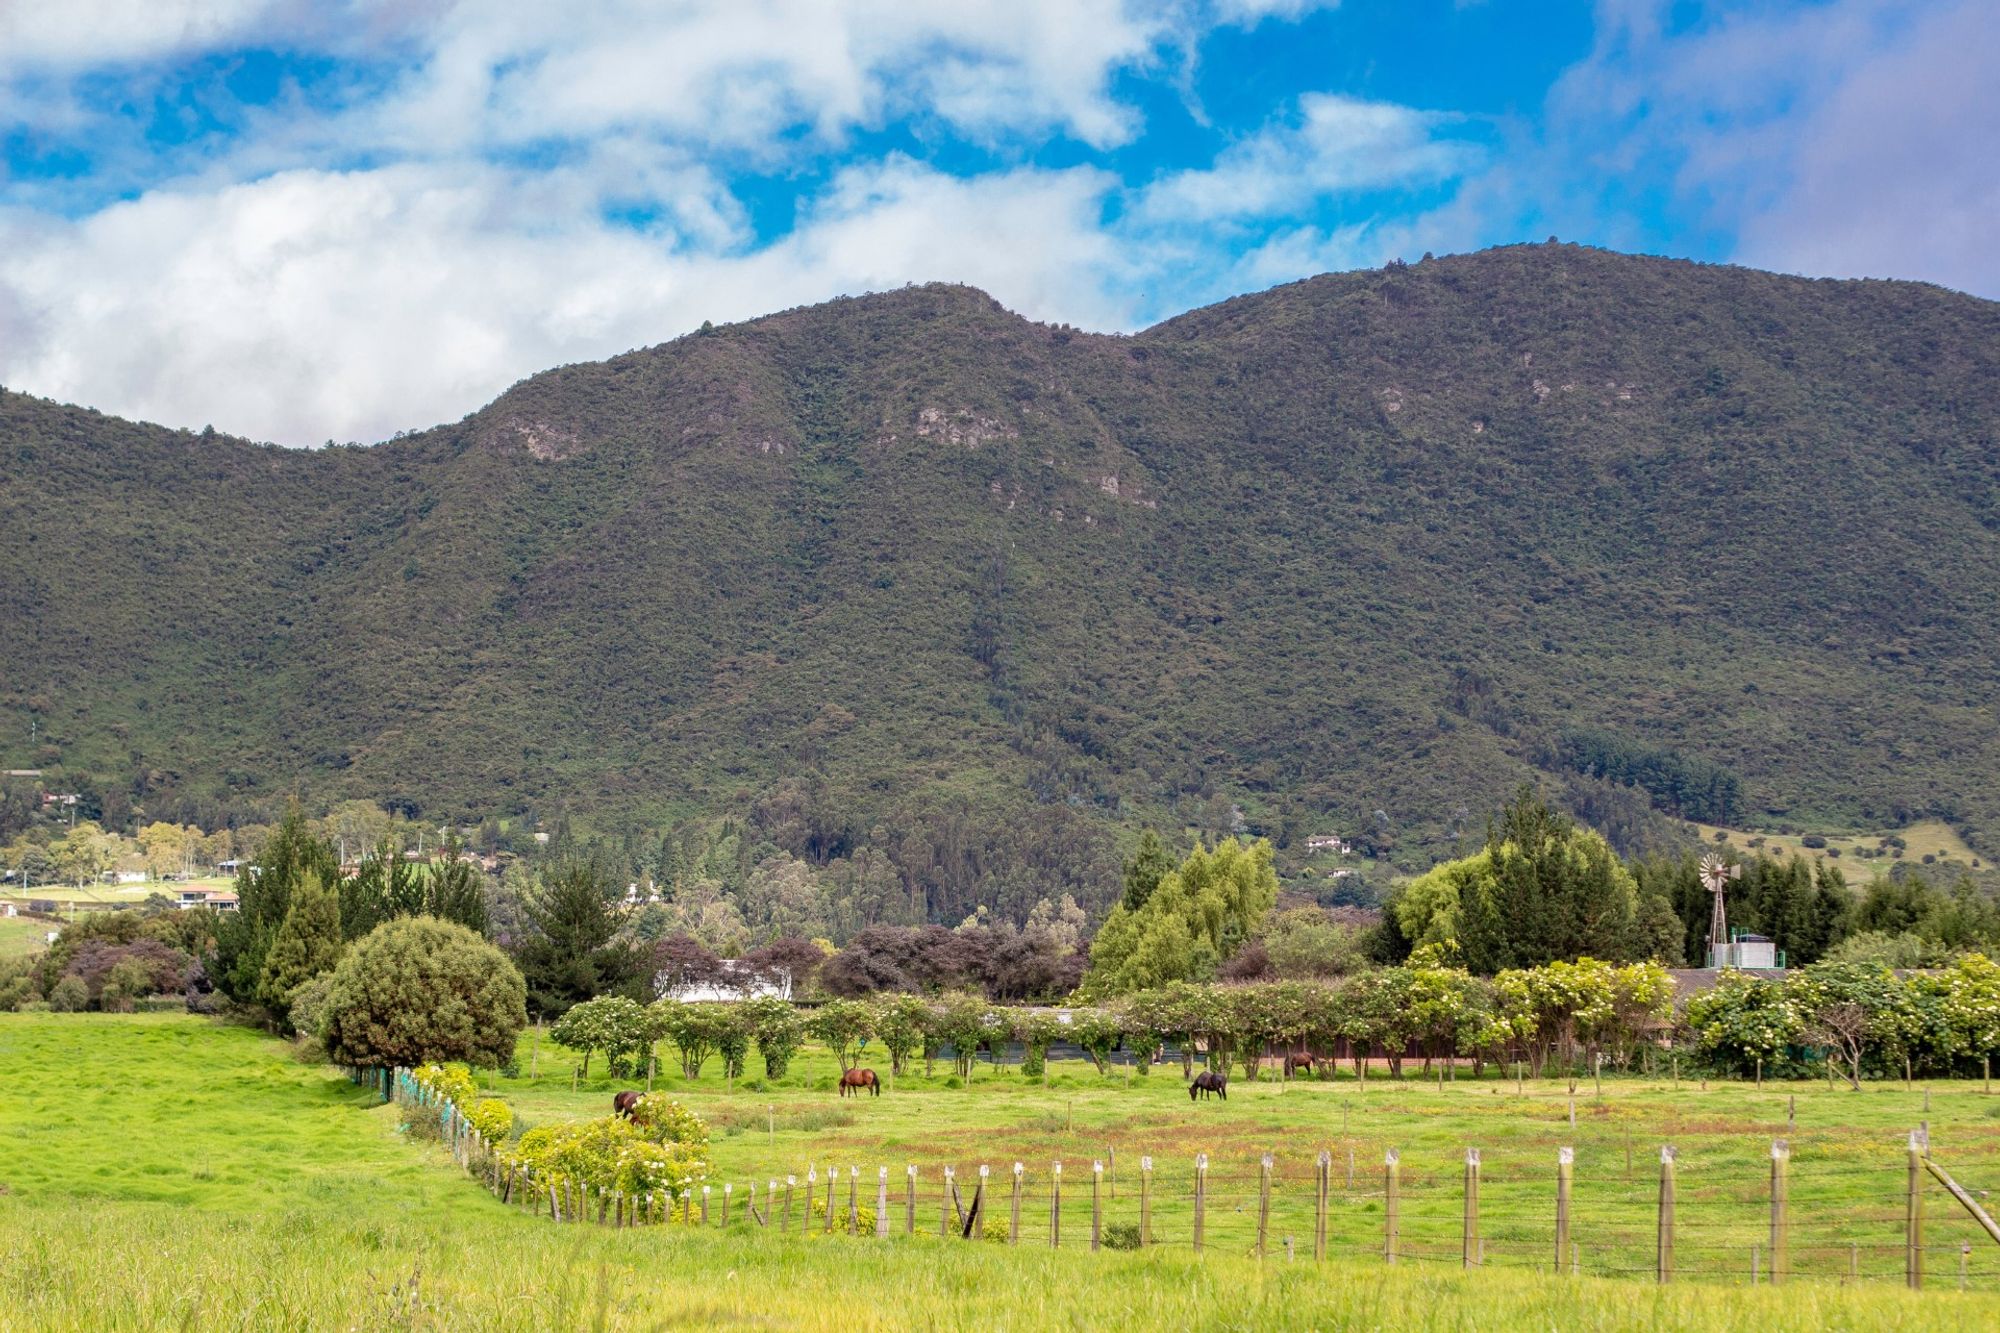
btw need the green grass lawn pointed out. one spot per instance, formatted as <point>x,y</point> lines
<point>168,1172</point>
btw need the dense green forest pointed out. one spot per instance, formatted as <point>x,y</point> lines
<point>950,603</point>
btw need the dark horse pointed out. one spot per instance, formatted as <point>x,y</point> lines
<point>1208,1081</point>
<point>854,1080</point>
<point>1294,1063</point>
<point>623,1102</point>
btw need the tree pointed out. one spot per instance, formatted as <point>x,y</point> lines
<point>1305,943</point>
<point>682,963</point>
<point>1851,1008</point>
<point>165,847</point>
<point>843,1025</point>
<point>778,1029</point>
<point>1143,873</point>
<point>574,950</point>
<point>420,991</point>
<point>453,889</point>
<point>308,943</point>
<point>264,891</point>
<point>1036,1030</point>
<point>788,964</point>
<point>900,1021</point>
<point>1199,914</point>
<point>699,1030</point>
<point>614,1024</point>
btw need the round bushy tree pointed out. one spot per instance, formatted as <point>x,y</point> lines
<point>417,990</point>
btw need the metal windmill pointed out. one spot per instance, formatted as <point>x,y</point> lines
<point>1716,874</point>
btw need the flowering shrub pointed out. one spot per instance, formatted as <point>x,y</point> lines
<point>452,1081</point>
<point>492,1118</point>
<point>663,1120</point>
<point>611,1154</point>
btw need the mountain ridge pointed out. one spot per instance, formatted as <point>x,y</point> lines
<point>1370,542</point>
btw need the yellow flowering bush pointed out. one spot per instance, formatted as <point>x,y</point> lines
<point>492,1118</point>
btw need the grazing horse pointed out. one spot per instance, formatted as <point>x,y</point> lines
<point>623,1102</point>
<point>1208,1081</point>
<point>1304,1060</point>
<point>854,1080</point>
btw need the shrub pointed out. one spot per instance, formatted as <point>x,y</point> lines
<point>492,1118</point>
<point>128,979</point>
<point>863,1225</point>
<point>661,1119</point>
<point>17,992</point>
<point>612,1154</point>
<point>69,996</point>
<point>1120,1236</point>
<point>308,1005</point>
<point>417,990</point>
<point>453,1081</point>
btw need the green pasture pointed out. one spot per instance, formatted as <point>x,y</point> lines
<point>23,935</point>
<point>1848,1164</point>
<point>164,1171</point>
<point>1932,837</point>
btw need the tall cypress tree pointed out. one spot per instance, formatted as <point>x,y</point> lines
<point>264,891</point>
<point>574,950</point>
<point>308,943</point>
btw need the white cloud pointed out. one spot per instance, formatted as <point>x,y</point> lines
<point>1846,138</point>
<point>102,32</point>
<point>315,305</point>
<point>1339,144</point>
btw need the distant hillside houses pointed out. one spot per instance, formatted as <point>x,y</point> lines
<point>1329,842</point>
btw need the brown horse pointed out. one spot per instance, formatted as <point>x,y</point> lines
<point>1303,1061</point>
<point>854,1080</point>
<point>1208,1081</point>
<point>623,1102</point>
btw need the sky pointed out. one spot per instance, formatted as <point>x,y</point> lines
<point>313,220</point>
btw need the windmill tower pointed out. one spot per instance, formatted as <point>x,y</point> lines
<point>1716,874</point>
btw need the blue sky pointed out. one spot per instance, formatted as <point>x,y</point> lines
<point>340,219</point>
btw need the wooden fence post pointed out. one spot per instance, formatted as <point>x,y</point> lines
<point>881,1201</point>
<point>975,1216</point>
<point>1391,1178</point>
<point>785,1223</point>
<point>1263,1202</point>
<point>944,1204</point>
<point>853,1200</point>
<point>1565,1170</point>
<point>1323,1187</point>
<point>1055,1207</point>
<point>1664,1260</point>
<point>1470,1255</point>
<point>728,1201</point>
<point>1200,1198</point>
<point>832,1184</point>
<point>1096,1205</point>
<point>1014,1208</point>
<point>1145,1201</point>
<point>704,1205</point>
<point>910,1199</point>
<point>1781,1232</point>
<point>1913,1217</point>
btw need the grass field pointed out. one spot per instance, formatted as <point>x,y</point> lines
<point>1932,838</point>
<point>168,1172</point>
<point>22,935</point>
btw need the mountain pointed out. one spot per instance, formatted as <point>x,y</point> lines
<point>1354,555</point>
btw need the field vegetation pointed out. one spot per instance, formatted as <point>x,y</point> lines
<point>243,1189</point>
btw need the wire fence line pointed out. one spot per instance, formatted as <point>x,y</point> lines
<point>1714,1216</point>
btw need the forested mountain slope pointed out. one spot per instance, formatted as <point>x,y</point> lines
<point>1355,555</point>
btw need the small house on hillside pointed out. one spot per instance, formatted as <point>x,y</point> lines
<point>222,900</point>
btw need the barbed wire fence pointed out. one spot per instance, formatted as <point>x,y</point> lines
<point>1791,1212</point>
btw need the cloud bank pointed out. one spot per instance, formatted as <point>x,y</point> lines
<point>303,222</point>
